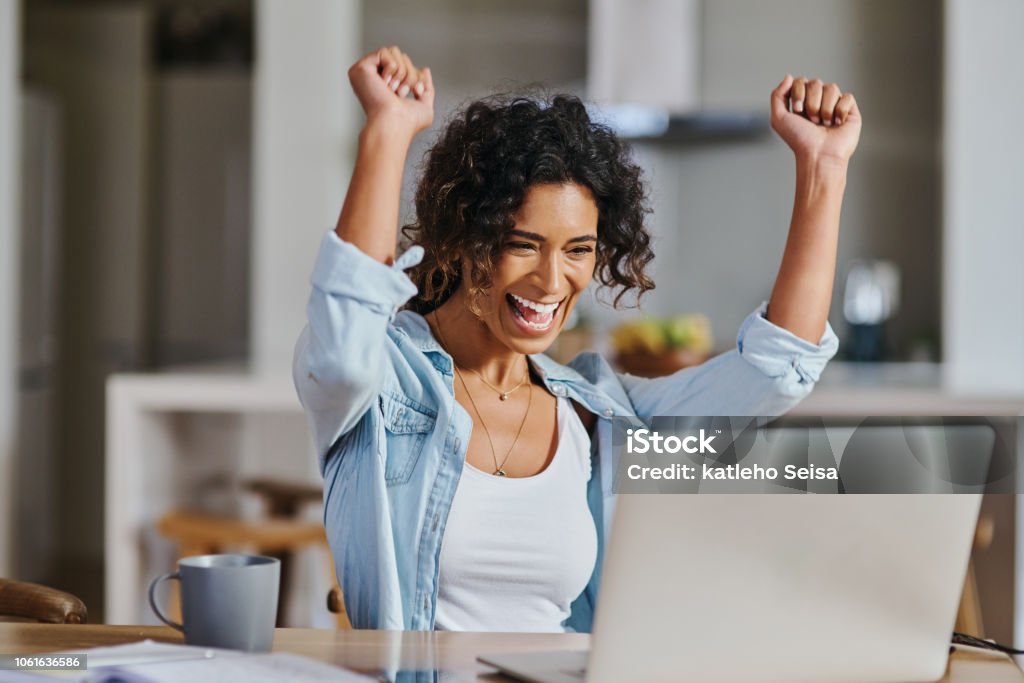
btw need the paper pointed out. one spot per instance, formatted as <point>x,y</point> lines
<point>266,668</point>
<point>151,662</point>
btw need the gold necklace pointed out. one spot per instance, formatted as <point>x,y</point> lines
<point>499,470</point>
<point>503,395</point>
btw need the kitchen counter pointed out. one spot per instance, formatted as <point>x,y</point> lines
<point>899,389</point>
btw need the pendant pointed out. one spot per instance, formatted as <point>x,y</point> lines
<point>500,473</point>
<point>503,396</point>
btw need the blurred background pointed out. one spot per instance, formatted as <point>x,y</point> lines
<point>168,167</point>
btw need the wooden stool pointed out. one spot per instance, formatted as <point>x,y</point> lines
<point>202,534</point>
<point>283,499</point>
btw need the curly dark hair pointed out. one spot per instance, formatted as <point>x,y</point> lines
<point>476,177</point>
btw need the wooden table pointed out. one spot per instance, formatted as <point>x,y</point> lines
<point>373,651</point>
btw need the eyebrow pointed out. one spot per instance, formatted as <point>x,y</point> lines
<point>540,238</point>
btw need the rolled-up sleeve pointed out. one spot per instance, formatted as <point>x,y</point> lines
<point>340,357</point>
<point>769,372</point>
<point>343,270</point>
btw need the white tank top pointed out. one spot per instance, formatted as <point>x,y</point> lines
<point>517,551</point>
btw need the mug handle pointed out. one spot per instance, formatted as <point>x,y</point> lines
<point>152,599</point>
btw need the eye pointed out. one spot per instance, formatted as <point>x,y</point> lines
<point>519,246</point>
<point>581,251</point>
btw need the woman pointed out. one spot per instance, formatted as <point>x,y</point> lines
<point>467,476</point>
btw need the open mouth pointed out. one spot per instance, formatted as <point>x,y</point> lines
<point>532,315</point>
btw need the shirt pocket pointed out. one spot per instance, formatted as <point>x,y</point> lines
<point>407,425</point>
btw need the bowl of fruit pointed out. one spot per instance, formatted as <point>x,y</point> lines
<point>653,347</point>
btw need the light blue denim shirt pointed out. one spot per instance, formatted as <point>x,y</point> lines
<point>378,391</point>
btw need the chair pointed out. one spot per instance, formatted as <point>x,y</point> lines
<point>24,600</point>
<point>336,606</point>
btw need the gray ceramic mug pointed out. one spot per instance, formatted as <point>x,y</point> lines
<point>227,601</point>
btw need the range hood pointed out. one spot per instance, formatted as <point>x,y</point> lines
<point>644,73</point>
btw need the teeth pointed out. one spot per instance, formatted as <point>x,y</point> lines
<point>533,305</point>
<point>536,326</point>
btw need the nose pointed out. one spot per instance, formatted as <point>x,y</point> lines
<point>550,271</point>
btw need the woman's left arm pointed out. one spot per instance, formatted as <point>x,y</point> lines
<point>821,124</point>
<point>780,353</point>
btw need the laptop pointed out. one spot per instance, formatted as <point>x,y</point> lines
<point>823,588</point>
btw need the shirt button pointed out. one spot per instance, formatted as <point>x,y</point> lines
<point>608,412</point>
<point>558,389</point>
<point>457,444</point>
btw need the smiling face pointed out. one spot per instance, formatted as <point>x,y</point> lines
<point>546,262</point>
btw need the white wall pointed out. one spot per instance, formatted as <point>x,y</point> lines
<point>10,159</point>
<point>984,202</point>
<point>305,130</point>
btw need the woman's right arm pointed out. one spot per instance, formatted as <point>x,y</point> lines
<point>383,81</point>
<point>340,357</point>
